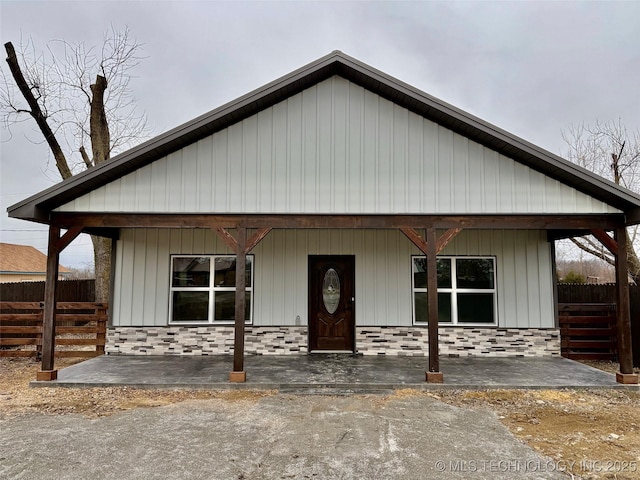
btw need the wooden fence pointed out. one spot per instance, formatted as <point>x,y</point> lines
<point>604,294</point>
<point>588,331</point>
<point>66,291</point>
<point>78,325</point>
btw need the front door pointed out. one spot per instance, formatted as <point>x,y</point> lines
<point>331,303</point>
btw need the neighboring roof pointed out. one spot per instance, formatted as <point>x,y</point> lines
<point>23,259</point>
<point>39,206</point>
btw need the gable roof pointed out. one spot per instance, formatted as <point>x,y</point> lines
<point>38,207</point>
<point>23,259</point>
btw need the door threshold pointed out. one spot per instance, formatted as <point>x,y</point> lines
<point>331,351</point>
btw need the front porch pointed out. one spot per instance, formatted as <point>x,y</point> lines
<point>330,373</point>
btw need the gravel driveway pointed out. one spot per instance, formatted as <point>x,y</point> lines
<point>280,436</point>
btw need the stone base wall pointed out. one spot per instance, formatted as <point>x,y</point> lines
<point>460,341</point>
<point>408,341</point>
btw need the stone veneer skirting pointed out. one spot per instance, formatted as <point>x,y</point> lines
<point>408,341</point>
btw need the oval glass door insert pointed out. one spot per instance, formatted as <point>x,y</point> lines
<point>331,291</point>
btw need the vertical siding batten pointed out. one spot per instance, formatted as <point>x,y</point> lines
<point>532,273</point>
<point>353,156</point>
<point>221,169</point>
<point>338,153</point>
<point>189,178</point>
<point>295,164</point>
<point>127,275</point>
<point>265,153</point>
<point>249,159</point>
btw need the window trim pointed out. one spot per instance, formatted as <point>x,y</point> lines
<point>211,288</point>
<point>454,290</point>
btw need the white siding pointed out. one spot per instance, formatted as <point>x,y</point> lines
<point>336,148</point>
<point>383,273</point>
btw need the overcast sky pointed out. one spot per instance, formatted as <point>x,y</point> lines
<point>532,68</point>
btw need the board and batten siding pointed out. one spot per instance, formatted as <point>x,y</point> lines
<point>336,148</point>
<point>383,273</point>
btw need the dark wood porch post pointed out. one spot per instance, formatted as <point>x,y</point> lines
<point>49,314</point>
<point>625,375</point>
<point>238,374</point>
<point>433,375</point>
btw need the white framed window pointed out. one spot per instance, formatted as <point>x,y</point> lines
<point>203,289</point>
<point>466,290</point>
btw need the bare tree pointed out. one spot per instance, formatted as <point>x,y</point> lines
<point>75,114</point>
<point>608,149</point>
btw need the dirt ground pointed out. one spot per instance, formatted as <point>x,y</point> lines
<point>599,430</point>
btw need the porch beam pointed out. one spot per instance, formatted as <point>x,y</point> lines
<point>227,238</point>
<point>604,238</point>
<point>69,236</point>
<point>561,234</point>
<point>510,222</point>
<point>238,374</point>
<point>625,353</point>
<point>415,238</point>
<point>232,243</point>
<point>256,238</point>
<point>421,243</point>
<point>446,237</point>
<point>433,375</point>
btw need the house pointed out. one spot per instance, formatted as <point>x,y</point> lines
<point>336,209</point>
<point>24,263</point>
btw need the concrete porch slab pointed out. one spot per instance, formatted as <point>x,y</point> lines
<point>327,373</point>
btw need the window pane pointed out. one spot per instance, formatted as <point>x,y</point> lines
<point>248,267</point>
<point>474,272</point>
<point>190,272</point>
<point>475,308</point>
<point>421,307</point>
<point>444,307</point>
<point>444,272</point>
<point>190,306</point>
<point>420,299</point>
<point>225,306</point>
<point>420,272</point>
<point>225,274</point>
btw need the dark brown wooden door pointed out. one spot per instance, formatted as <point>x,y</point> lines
<point>331,302</point>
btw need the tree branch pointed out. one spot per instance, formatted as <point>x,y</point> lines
<point>36,112</point>
<point>593,252</point>
<point>85,157</point>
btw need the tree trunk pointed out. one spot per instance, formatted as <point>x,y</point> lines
<point>100,136</point>
<point>633,260</point>
<point>101,149</point>
<point>102,260</point>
